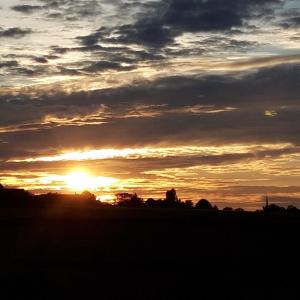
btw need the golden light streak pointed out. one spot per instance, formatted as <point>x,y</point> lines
<point>163,152</point>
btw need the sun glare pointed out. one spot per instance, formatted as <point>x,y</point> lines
<point>80,181</point>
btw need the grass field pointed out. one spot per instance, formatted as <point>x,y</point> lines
<point>122,253</point>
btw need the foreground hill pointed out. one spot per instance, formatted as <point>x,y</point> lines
<point>122,253</point>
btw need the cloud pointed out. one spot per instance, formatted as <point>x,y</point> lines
<point>40,59</point>
<point>14,32</point>
<point>26,9</point>
<point>153,35</point>
<point>264,190</point>
<point>146,160</point>
<point>174,110</point>
<point>290,19</point>
<point>266,61</point>
<point>194,16</point>
<point>159,25</point>
<point>284,200</point>
<point>100,66</point>
<point>8,64</point>
<point>175,157</point>
<point>71,10</point>
<point>292,22</point>
<point>68,10</point>
<point>93,38</point>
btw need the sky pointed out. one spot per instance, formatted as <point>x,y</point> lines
<point>142,96</point>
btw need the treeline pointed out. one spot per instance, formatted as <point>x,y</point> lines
<point>22,198</point>
<point>172,201</point>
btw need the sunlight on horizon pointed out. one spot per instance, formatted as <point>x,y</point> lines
<point>80,181</point>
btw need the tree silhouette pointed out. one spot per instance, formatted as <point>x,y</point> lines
<point>136,201</point>
<point>273,208</point>
<point>188,204</point>
<point>171,196</point>
<point>133,201</point>
<point>239,210</point>
<point>227,208</point>
<point>151,203</point>
<point>204,204</point>
<point>292,209</point>
<point>88,196</point>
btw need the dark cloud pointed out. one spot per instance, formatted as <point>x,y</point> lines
<point>41,60</point>
<point>8,64</point>
<point>292,22</point>
<point>75,69</point>
<point>194,16</point>
<point>14,32</point>
<point>52,56</point>
<point>60,50</point>
<point>66,71</point>
<point>107,58</point>
<point>167,111</point>
<point>226,43</point>
<point>26,9</point>
<point>93,38</point>
<point>55,15</point>
<point>157,27</point>
<point>112,56</point>
<point>29,71</point>
<point>71,10</point>
<point>100,66</point>
<point>148,34</point>
<point>213,44</point>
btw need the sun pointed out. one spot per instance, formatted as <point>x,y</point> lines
<point>80,181</point>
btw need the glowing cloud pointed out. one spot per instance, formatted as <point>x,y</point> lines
<point>271,113</point>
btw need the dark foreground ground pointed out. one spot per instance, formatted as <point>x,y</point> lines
<point>121,253</point>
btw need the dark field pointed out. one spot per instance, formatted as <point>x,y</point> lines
<point>122,253</point>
